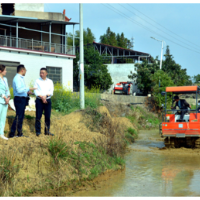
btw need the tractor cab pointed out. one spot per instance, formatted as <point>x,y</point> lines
<point>181,131</point>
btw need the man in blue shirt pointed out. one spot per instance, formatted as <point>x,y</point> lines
<point>21,93</point>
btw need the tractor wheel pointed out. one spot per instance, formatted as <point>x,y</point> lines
<point>189,142</point>
<point>197,143</point>
<point>172,143</point>
<point>166,142</point>
<point>177,142</point>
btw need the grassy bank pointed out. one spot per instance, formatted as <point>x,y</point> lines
<point>86,144</point>
<point>143,119</point>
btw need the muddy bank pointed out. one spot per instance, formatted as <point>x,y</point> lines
<point>81,150</point>
<point>152,172</point>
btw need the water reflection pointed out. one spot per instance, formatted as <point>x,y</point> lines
<point>153,174</point>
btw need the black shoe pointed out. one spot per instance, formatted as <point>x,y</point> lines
<point>11,135</point>
<point>37,134</point>
<point>49,134</point>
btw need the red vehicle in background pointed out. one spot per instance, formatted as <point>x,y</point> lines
<point>123,88</point>
<point>178,132</point>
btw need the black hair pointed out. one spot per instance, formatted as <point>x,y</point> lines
<point>19,68</point>
<point>2,68</point>
<point>176,97</point>
<point>45,69</point>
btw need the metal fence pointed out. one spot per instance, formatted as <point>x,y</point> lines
<point>36,45</point>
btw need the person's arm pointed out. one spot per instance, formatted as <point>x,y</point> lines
<point>20,86</point>
<point>51,89</point>
<point>36,92</point>
<point>187,104</point>
<point>173,107</point>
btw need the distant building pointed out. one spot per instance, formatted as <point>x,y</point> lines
<point>37,39</point>
<point>120,62</point>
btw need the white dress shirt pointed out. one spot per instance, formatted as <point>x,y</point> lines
<point>44,87</point>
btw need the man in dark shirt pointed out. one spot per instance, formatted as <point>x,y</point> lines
<point>183,106</point>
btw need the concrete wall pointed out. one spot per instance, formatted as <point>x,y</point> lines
<point>33,63</point>
<point>41,15</point>
<point>30,6</point>
<point>120,72</point>
<point>124,98</point>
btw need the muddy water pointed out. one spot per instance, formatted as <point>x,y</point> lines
<point>153,172</point>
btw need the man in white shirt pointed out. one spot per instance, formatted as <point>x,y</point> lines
<point>43,94</point>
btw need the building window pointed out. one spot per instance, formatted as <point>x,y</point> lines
<point>55,74</point>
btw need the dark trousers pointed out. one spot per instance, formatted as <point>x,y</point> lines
<point>20,105</point>
<point>183,113</point>
<point>40,107</point>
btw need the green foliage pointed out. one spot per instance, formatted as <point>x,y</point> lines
<point>7,170</point>
<point>118,40</point>
<point>178,76</point>
<point>88,37</point>
<point>143,75</point>
<point>196,79</point>
<point>142,119</point>
<point>58,149</point>
<point>11,93</point>
<point>146,76</point>
<point>95,72</point>
<point>29,117</point>
<point>130,135</point>
<point>65,101</point>
<point>132,132</point>
<point>165,81</point>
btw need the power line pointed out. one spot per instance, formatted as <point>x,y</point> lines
<point>119,12</point>
<point>159,28</point>
<point>163,26</point>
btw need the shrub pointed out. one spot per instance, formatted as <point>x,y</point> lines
<point>65,101</point>
<point>11,93</point>
<point>58,149</point>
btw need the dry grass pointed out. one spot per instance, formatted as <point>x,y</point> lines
<point>31,166</point>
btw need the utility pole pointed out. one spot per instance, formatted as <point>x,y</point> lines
<point>161,51</point>
<point>161,55</point>
<point>81,63</point>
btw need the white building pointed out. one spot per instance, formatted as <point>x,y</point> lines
<point>121,62</point>
<point>36,39</point>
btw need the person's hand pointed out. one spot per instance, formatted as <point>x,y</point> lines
<point>7,100</point>
<point>32,88</point>
<point>44,99</point>
<point>29,92</point>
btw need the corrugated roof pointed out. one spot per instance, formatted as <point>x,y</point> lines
<point>120,48</point>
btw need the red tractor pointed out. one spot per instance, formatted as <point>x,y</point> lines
<point>123,88</point>
<point>181,132</point>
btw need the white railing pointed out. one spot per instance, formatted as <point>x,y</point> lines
<point>36,45</point>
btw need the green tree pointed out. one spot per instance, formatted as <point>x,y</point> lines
<point>88,37</point>
<point>165,81</point>
<point>143,75</point>
<point>174,70</point>
<point>114,39</point>
<point>95,72</point>
<point>196,79</point>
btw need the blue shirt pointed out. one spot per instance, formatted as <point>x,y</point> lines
<point>19,87</point>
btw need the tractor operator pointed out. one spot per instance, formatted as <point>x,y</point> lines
<point>183,106</point>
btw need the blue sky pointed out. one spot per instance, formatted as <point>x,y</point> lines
<point>181,20</point>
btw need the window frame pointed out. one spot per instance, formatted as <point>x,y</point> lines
<point>51,67</point>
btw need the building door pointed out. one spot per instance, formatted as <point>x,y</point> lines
<point>11,68</point>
